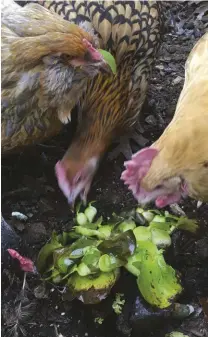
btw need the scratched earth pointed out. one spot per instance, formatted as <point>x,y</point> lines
<point>29,186</point>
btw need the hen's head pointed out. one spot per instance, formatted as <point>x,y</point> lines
<point>75,177</point>
<point>146,182</point>
<point>89,56</point>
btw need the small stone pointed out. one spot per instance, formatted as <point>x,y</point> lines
<point>63,313</point>
<point>168,70</point>
<point>151,120</point>
<point>40,291</point>
<point>159,66</point>
<point>199,203</point>
<point>177,210</point>
<point>189,25</point>
<point>171,49</point>
<point>177,80</point>
<point>19,216</point>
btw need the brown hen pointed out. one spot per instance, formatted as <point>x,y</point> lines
<point>131,31</point>
<point>46,62</point>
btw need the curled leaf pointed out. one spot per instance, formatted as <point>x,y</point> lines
<point>110,60</point>
<point>45,255</point>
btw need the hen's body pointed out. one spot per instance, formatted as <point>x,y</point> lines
<point>131,31</point>
<point>41,74</point>
<point>177,163</point>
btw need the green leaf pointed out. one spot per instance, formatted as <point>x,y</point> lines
<point>72,270</point>
<point>56,277</point>
<point>90,213</point>
<point>176,334</point>
<point>99,221</point>
<point>110,60</point>
<point>157,281</point>
<point>160,237</point>
<point>83,269</point>
<point>91,258</point>
<point>142,233</point>
<point>126,225</point>
<point>81,219</point>
<point>118,303</point>
<point>158,218</point>
<point>109,262</point>
<point>77,249</point>
<point>89,232</point>
<point>149,216</point>
<point>166,226</point>
<point>83,242</point>
<point>78,207</point>
<point>67,237</point>
<point>121,246</point>
<point>96,224</point>
<point>133,264</point>
<point>106,230</point>
<point>61,259</point>
<point>45,255</point>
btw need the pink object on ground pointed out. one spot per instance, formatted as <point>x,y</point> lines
<point>26,264</point>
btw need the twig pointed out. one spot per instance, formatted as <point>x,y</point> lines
<point>19,190</point>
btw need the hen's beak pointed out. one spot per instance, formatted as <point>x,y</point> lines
<point>71,205</point>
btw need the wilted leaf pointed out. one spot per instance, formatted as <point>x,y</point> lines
<point>92,289</point>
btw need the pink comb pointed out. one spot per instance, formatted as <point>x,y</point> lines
<point>94,53</point>
<point>137,168</point>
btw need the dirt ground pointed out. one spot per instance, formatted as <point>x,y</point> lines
<point>29,186</point>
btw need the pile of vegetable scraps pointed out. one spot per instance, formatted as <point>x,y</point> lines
<point>88,259</point>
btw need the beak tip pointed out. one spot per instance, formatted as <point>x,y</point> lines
<point>71,204</point>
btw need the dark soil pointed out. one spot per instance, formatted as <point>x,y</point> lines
<point>29,186</point>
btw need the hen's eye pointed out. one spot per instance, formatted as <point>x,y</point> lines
<point>159,186</point>
<point>77,179</point>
